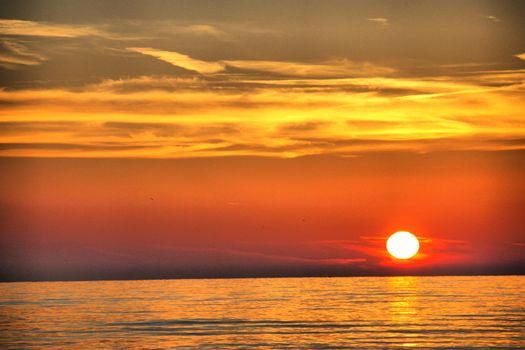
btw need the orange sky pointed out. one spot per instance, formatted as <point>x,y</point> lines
<point>251,216</point>
<point>211,138</point>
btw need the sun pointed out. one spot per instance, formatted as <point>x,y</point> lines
<point>402,245</point>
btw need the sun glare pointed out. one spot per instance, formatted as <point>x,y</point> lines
<point>402,245</point>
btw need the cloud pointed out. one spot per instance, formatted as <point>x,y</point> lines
<point>14,54</point>
<point>227,254</point>
<point>380,20</point>
<point>203,29</point>
<point>148,83</point>
<point>181,60</point>
<point>66,146</point>
<point>492,18</point>
<point>16,127</point>
<point>333,68</point>
<point>521,56</point>
<point>31,28</point>
<point>11,62</point>
<point>157,129</point>
<point>248,82</point>
<point>254,115</point>
<point>306,126</point>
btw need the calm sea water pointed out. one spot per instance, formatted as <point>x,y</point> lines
<point>295,313</point>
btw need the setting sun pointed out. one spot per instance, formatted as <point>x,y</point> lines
<point>167,163</point>
<point>402,245</point>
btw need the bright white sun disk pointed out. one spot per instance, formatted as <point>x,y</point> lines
<point>402,245</point>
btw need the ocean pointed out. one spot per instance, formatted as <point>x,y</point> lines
<point>266,313</point>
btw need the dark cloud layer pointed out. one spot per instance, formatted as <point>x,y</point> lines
<point>81,42</point>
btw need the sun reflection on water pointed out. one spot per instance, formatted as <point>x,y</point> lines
<point>420,312</point>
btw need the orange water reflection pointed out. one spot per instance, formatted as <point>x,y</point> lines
<point>431,312</point>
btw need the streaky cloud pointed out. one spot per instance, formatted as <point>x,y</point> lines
<point>180,60</point>
<point>380,20</point>
<point>203,29</point>
<point>521,56</point>
<point>332,68</point>
<point>492,18</point>
<point>17,27</point>
<point>14,54</point>
<point>66,146</point>
<point>246,114</point>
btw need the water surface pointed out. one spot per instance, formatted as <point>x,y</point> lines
<point>279,313</point>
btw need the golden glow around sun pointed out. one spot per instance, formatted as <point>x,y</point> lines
<point>402,245</point>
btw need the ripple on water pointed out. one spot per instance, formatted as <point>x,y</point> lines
<point>419,312</point>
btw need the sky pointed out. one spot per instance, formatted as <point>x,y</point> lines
<point>164,139</point>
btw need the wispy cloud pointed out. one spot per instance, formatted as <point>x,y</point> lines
<point>203,29</point>
<point>218,116</point>
<point>380,20</point>
<point>492,18</point>
<point>258,257</point>
<point>521,56</point>
<point>181,60</point>
<point>14,54</point>
<point>32,28</point>
<point>333,68</point>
